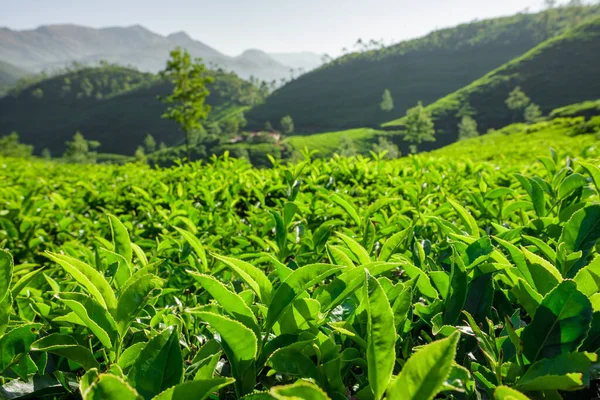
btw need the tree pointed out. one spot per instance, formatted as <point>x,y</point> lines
<point>387,103</point>
<point>466,110</point>
<point>517,99</point>
<point>140,155</point>
<point>347,147</point>
<point>419,127</point>
<point>268,126</point>
<point>187,102</point>
<point>532,113</point>
<point>78,150</point>
<point>214,129</point>
<point>385,148</point>
<point>162,146</point>
<point>46,155</point>
<point>11,147</point>
<point>287,125</point>
<point>149,143</point>
<point>231,126</point>
<point>550,4</point>
<point>38,93</point>
<point>467,128</point>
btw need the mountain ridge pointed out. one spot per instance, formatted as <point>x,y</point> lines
<point>346,92</point>
<point>56,45</point>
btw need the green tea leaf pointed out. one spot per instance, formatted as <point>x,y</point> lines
<point>580,233</point>
<point>159,365</point>
<point>120,238</point>
<point>110,387</point>
<point>93,315</point>
<point>296,283</point>
<point>6,271</point>
<point>299,390</point>
<point>560,324</point>
<point>197,389</point>
<point>133,299</point>
<point>240,346</point>
<point>196,245</point>
<point>588,278</point>
<point>361,254</point>
<point>291,361</point>
<point>423,375</point>
<point>457,291</point>
<point>381,336</point>
<point>571,184</point>
<point>506,393</point>
<point>569,371</point>
<point>349,208</point>
<point>252,276</point>
<point>233,304</point>
<point>87,277</point>
<point>15,343</point>
<point>466,218</point>
<point>66,346</point>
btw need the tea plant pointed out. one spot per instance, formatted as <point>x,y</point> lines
<point>418,278</point>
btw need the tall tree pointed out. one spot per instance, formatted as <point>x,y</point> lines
<point>387,102</point>
<point>187,102</point>
<point>346,147</point>
<point>268,126</point>
<point>419,127</point>
<point>11,147</point>
<point>467,128</point>
<point>517,101</point>
<point>532,113</point>
<point>386,149</point>
<point>140,155</point>
<point>287,125</point>
<point>150,143</point>
<point>79,150</point>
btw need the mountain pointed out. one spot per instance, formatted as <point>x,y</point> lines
<point>559,72</point>
<point>114,105</point>
<point>305,60</point>
<point>346,93</point>
<point>9,75</point>
<point>54,46</point>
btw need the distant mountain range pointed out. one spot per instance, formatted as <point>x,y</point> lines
<point>53,46</point>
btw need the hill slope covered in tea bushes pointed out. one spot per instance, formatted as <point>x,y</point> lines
<point>346,93</point>
<point>323,279</point>
<point>557,73</point>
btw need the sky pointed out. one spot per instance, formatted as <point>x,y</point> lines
<point>232,26</point>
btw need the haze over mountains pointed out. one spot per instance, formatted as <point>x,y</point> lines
<point>53,46</point>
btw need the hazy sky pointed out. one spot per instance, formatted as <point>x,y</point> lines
<point>231,26</point>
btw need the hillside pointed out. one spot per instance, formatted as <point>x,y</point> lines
<point>561,71</point>
<point>54,46</point>
<point>115,105</point>
<point>346,93</point>
<point>9,75</point>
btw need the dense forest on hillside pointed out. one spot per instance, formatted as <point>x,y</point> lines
<point>346,92</point>
<point>9,75</point>
<point>114,105</point>
<point>560,71</point>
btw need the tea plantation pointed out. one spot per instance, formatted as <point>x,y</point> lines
<point>468,273</point>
